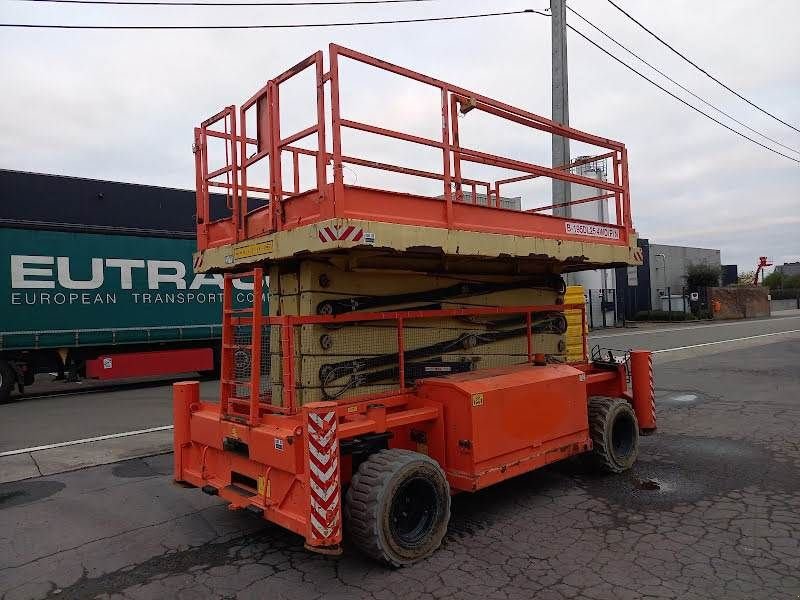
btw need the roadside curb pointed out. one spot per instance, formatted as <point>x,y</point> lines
<point>686,322</point>
<point>52,461</point>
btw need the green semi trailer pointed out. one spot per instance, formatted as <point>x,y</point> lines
<point>105,295</point>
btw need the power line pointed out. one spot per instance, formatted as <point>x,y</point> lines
<point>699,68</point>
<point>287,26</point>
<point>255,3</point>
<point>678,98</point>
<point>684,88</point>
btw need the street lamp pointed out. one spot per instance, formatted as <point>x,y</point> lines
<point>664,259</point>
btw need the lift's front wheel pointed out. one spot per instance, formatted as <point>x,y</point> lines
<point>397,507</point>
<point>615,433</point>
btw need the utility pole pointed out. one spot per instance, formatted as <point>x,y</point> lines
<point>561,189</point>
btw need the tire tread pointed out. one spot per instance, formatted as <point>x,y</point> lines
<point>364,497</point>
<point>601,409</point>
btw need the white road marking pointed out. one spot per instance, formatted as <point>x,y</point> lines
<point>98,438</point>
<point>749,337</point>
<point>167,427</point>
<point>692,327</point>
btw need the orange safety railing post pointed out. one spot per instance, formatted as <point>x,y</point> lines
<point>529,335</point>
<point>201,190</point>
<point>184,395</point>
<point>287,364</point>
<point>336,131</point>
<point>456,144</point>
<point>626,199</point>
<point>237,205</point>
<point>263,141</point>
<point>255,349</point>
<point>322,151</point>
<point>241,229</point>
<point>296,171</point>
<point>401,353</point>
<point>617,195</point>
<point>275,169</point>
<point>324,480</point>
<point>448,191</point>
<point>643,390</point>
<point>226,366</point>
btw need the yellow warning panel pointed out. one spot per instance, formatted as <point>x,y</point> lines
<point>574,336</point>
<point>251,250</point>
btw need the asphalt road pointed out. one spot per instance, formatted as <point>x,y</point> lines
<point>36,421</point>
<point>718,517</point>
<point>680,335</point>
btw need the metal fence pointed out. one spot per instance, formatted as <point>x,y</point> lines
<point>784,299</point>
<point>371,355</point>
<point>602,309</point>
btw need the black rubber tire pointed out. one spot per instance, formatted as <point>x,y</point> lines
<point>8,379</point>
<point>387,476</point>
<point>615,433</point>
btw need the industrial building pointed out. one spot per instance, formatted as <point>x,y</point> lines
<point>664,268</point>
<point>669,266</point>
<point>791,269</point>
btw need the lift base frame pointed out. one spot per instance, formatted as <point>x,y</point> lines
<point>481,427</point>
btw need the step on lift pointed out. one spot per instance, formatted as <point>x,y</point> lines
<point>381,465</point>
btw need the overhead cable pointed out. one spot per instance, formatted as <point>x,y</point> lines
<point>676,97</point>
<point>698,67</point>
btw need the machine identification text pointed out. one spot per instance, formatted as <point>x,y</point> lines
<point>599,231</point>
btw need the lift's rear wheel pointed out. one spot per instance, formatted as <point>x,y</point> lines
<point>615,433</point>
<point>397,507</point>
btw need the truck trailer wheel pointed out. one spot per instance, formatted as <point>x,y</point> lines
<point>398,506</point>
<point>8,378</point>
<point>614,432</point>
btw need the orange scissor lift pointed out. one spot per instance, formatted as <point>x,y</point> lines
<point>375,445</point>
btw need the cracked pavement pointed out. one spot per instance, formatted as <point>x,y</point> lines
<point>724,521</point>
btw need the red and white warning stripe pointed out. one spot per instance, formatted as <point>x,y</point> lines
<point>323,474</point>
<point>652,391</point>
<point>345,233</point>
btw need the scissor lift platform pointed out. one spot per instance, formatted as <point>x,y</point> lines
<point>318,213</point>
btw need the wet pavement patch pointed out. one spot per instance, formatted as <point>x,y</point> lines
<point>677,398</point>
<point>134,468</point>
<point>676,470</point>
<point>25,492</point>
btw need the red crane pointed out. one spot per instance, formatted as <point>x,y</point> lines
<point>763,261</point>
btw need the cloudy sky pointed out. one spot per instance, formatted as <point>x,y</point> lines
<point>121,105</point>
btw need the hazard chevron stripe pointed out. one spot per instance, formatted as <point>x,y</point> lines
<point>321,440</point>
<point>324,476</point>
<point>322,493</point>
<point>347,233</point>
<point>324,532</point>
<point>323,511</point>
<point>321,457</point>
<point>323,471</point>
<point>320,421</point>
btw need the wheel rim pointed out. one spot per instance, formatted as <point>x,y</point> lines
<point>623,435</point>
<point>413,511</point>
